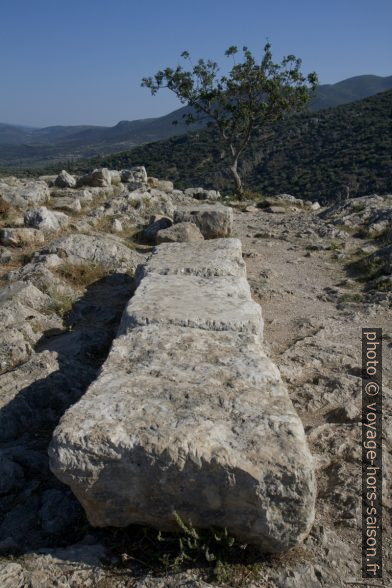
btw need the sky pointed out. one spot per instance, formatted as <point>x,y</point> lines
<point>77,62</point>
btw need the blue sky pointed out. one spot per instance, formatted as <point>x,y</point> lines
<point>81,61</point>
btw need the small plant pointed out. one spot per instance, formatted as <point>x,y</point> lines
<point>350,298</point>
<point>382,284</point>
<point>335,246</point>
<point>62,301</point>
<point>209,545</point>
<point>8,213</point>
<point>358,207</point>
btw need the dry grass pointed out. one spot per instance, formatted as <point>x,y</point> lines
<point>82,274</point>
<point>8,214</point>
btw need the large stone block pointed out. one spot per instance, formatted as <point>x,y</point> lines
<point>194,422</point>
<point>213,220</point>
<point>221,304</point>
<point>221,257</point>
<point>188,415</point>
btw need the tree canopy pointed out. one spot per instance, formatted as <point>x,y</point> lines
<point>250,97</point>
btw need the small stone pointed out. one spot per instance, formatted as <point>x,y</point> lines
<point>116,226</point>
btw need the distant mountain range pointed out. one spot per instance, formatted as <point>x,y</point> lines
<point>310,155</point>
<point>25,146</point>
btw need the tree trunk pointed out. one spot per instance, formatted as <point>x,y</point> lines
<point>239,190</point>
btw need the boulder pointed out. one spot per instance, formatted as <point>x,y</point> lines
<point>24,316</point>
<point>188,416</point>
<point>46,220</point>
<point>23,194</point>
<point>115,177</point>
<point>21,237</point>
<point>135,174</point>
<point>65,180</point>
<point>98,178</point>
<point>202,194</point>
<point>108,251</point>
<point>163,185</point>
<point>181,233</point>
<point>144,204</point>
<point>213,220</point>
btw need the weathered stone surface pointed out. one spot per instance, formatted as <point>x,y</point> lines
<point>36,392</point>
<point>99,178</point>
<point>23,317</point>
<point>18,237</point>
<point>221,257</point>
<point>46,220</point>
<point>179,233</point>
<point>188,415</point>
<point>108,251</point>
<point>135,174</point>
<point>139,205</point>
<point>213,220</point>
<point>65,180</point>
<point>115,177</point>
<point>222,304</point>
<point>68,204</point>
<point>23,194</point>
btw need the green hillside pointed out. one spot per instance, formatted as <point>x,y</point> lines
<point>23,146</point>
<point>309,155</point>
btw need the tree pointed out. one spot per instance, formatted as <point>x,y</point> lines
<point>242,103</point>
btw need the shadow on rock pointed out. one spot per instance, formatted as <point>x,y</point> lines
<point>36,510</point>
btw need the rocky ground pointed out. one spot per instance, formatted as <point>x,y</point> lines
<point>69,249</point>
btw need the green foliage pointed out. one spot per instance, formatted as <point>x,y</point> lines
<point>350,298</point>
<point>253,95</point>
<point>309,155</point>
<point>213,551</point>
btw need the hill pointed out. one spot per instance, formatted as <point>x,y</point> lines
<point>22,146</point>
<point>310,155</point>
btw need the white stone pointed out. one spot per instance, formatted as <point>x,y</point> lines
<point>213,220</point>
<point>46,220</point>
<point>65,180</point>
